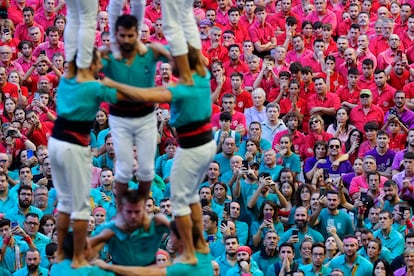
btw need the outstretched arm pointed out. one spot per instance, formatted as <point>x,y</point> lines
<point>154,94</point>
<point>132,270</point>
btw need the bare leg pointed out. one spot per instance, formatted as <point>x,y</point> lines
<point>197,218</point>
<point>62,226</point>
<point>80,231</point>
<point>121,188</point>
<point>144,188</point>
<point>71,71</point>
<point>183,67</point>
<point>184,227</point>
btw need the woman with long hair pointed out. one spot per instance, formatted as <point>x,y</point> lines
<point>352,144</point>
<point>99,131</point>
<point>8,111</point>
<point>253,151</point>
<point>268,219</point>
<point>382,268</point>
<point>316,133</point>
<point>341,127</point>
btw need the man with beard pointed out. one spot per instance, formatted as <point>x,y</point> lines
<point>341,44</point>
<point>391,197</point>
<point>242,228</point>
<point>331,217</point>
<point>350,262</point>
<point>132,229</point>
<point>297,234</point>
<point>390,237</point>
<point>267,255</point>
<point>380,43</point>
<point>363,52</point>
<point>299,52</point>
<point>387,57</point>
<point>399,72</point>
<point>235,64</point>
<point>245,265</point>
<point>165,78</point>
<point>351,61</point>
<point>316,268</point>
<point>229,258</point>
<point>24,207</point>
<point>286,264</point>
<point>366,237</point>
<point>383,93</point>
<point>223,158</point>
<point>103,194</point>
<point>26,179</point>
<point>133,123</point>
<point>32,265</point>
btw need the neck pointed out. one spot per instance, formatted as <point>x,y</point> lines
<point>386,232</point>
<point>351,259</point>
<point>4,195</point>
<point>333,211</point>
<point>107,187</point>
<point>270,252</point>
<point>382,150</point>
<point>259,108</point>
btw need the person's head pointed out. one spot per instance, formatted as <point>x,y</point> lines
<point>409,257</point>
<point>41,195</point>
<point>298,43</point>
<point>334,147</point>
<point>25,195</point>
<point>32,260</point>
<point>243,254</point>
<point>382,268</point>
<point>333,200</point>
<point>390,190</point>
<point>126,32</point>
<point>228,102</point>
<point>316,123</point>
<point>385,220</point>
<point>216,268</point>
<point>210,221</point>
<point>287,250</point>
<point>350,246</point>
<point>268,209</point>
<point>374,248</point>
<point>270,240</point>
<point>99,214</point>
<point>231,243</point>
<point>47,225</point>
<point>162,257</point>
<point>166,207</point>
<point>387,27</point>
<point>133,208</point>
<point>35,35</point>
<point>28,15</point>
<point>301,218</point>
<point>371,130</point>
<point>31,224</point>
<point>51,252</point>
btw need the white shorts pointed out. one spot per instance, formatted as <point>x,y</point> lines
<point>187,173</point>
<point>127,132</point>
<point>71,173</point>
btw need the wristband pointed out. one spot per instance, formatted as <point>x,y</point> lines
<point>27,239</point>
<point>6,241</point>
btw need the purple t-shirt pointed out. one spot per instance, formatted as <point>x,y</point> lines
<point>343,168</point>
<point>383,161</point>
<point>407,117</point>
<point>398,158</point>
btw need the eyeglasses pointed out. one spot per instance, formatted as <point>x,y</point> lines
<point>314,122</point>
<point>364,96</point>
<point>3,160</point>
<point>32,223</point>
<point>334,146</point>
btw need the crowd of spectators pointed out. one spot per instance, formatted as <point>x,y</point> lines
<point>312,114</point>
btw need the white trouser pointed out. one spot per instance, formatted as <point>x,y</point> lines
<point>115,10</point>
<point>179,26</point>
<point>127,132</point>
<point>80,31</point>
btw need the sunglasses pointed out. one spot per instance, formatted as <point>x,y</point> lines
<point>364,96</point>
<point>314,122</point>
<point>334,146</point>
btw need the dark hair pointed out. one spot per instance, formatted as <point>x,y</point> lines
<point>275,208</point>
<point>96,129</point>
<point>297,200</point>
<point>30,9</point>
<point>44,220</point>
<point>287,244</point>
<point>24,42</point>
<point>213,216</point>
<point>348,141</point>
<point>126,21</point>
<point>319,143</point>
<point>5,222</point>
<point>24,187</point>
<point>133,196</point>
<point>387,266</point>
<point>335,123</point>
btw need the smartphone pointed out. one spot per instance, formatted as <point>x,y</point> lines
<point>325,173</point>
<point>43,52</point>
<point>165,113</point>
<point>36,96</point>
<point>265,175</point>
<point>204,202</point>
<point>402,210</point>
<point>364,197</point>
<point>14,224</point>
<point>295,232</point>
<point>245,164</point>
<point>210,238</point>
<point>5,31</point>
<point>29,153</point>
<point>268,216</point>
<point>399,53</point>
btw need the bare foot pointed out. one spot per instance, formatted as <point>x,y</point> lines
<point>115,51</point>
<point>186,260</point>
<point>79,263</point>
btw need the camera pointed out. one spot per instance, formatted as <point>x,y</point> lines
<point>11,133</point>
